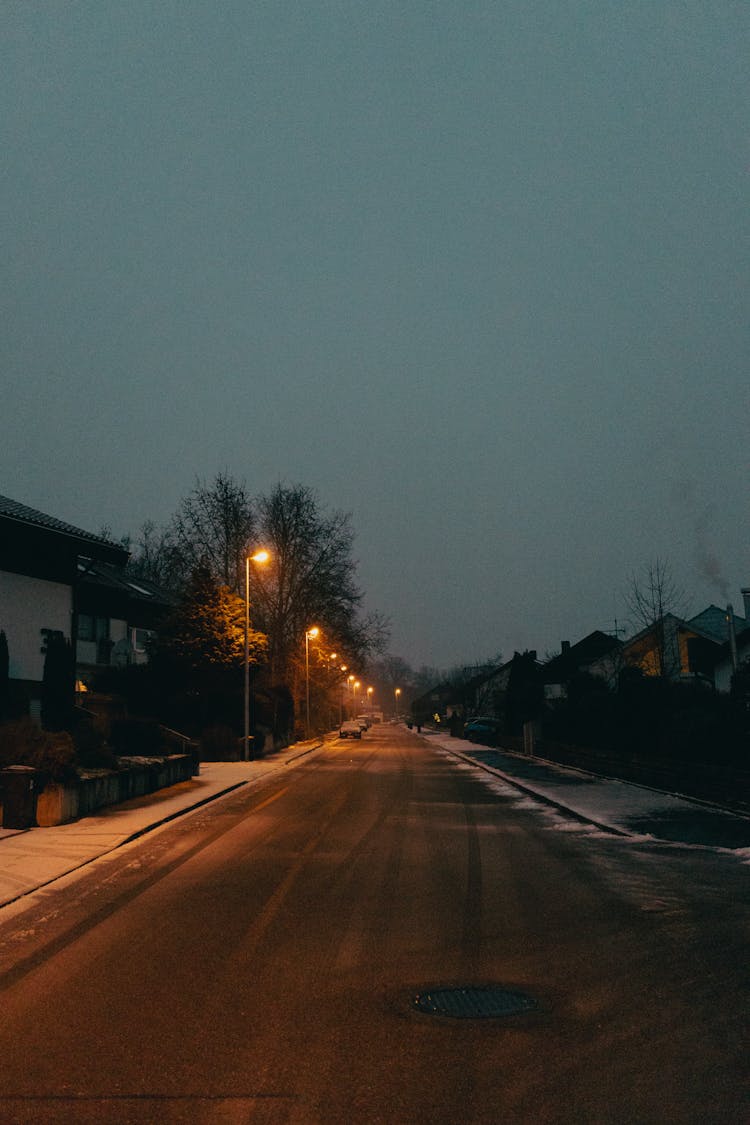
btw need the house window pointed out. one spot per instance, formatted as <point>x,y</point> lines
<point>141,637</point>
<point>92,628</point>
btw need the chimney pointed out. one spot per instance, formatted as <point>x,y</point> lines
<point>565,646</point>
<point>732,637</point>
<point>746,599</point>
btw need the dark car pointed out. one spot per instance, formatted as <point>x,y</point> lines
<point>485,731</point>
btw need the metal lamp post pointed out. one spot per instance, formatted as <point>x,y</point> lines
<point>308,633</point>
<point>344,670</point>
<point>258,557</point>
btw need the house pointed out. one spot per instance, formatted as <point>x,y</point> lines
<point>733,632</point>
<point>117,616</point>
<point>703,647</point>
<point>473,696</point>
<point>56,578</point>
<point>598,654</point>
<point>730,659</point>
<point>465,695</point>
<point>432,703</point>
<point>510,693</point>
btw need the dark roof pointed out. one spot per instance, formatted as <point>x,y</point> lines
<point>95,573</point>
<point>27,517</point>
<point>583,653</point>
<point>713,622</point>
<point>13,510</point>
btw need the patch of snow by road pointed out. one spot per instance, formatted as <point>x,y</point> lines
<point>571,800</point>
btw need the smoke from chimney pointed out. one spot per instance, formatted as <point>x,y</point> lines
<point>708,564</point>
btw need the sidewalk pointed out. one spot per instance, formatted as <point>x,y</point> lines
<point>620,808</point>
<point>29,859</point>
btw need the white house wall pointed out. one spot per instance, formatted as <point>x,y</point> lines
<point>28,605</point>
<point>724,671</point>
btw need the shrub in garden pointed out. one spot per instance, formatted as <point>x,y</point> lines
<point>91,748</point>
<point>23,743</point>
<point>57,681</point>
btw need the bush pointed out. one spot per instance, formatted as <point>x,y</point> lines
<point>23,743</point>
<point>92,751</point>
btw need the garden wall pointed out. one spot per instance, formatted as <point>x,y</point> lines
<point>59,803</point>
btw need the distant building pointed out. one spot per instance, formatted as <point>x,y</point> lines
<point>598,654</point>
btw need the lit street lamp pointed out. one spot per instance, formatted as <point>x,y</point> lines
<point>308,634</point>
<point>397,693</point>
<point>258,557</point>
<point>344,669</point>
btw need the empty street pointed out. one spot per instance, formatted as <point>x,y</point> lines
<point>383,933</point>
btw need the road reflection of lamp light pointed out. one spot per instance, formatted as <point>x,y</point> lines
<point>259,557</point>
<point>309,633</point>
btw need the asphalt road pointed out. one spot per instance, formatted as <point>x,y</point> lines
<point>261,959</point>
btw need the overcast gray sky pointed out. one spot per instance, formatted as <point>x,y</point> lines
<point>476,272</point>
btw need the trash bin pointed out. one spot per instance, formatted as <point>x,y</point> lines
<point>19,786</point>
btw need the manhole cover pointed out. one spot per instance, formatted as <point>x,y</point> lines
<point>474,1003</point>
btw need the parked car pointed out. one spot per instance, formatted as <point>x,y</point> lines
<point>350,729</point>
<point>363,721</point>
<point>485,731</point>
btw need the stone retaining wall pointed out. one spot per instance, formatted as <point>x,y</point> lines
<point>60,803</point>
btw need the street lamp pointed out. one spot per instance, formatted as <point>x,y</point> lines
<point>258,557</point>
<point>344,669</point>
<point>397,693</point>
<point>308,634</point>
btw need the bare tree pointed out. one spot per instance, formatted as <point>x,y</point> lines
<point>155,556</point>
<point>214,527</point>
<point>309,581</point>
<point>652,597</point>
